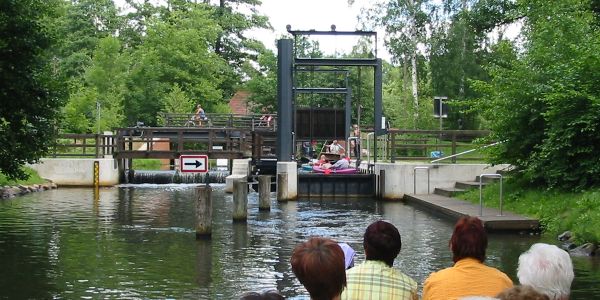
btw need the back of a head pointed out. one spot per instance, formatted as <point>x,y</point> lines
<point>319,265</point>
<point>382,242</point>
<point>521,292</point>
<point>548,269</point>
<point>268,295</point>
<point>469,239</point>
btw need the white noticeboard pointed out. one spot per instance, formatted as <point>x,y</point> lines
<point>193,163</point>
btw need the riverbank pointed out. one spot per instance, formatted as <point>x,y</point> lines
<point>7,192</point>
<point>13,188</point>
<point>557,211</point>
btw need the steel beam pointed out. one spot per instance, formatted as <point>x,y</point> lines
<point>332,32</point>
<point>352,62</point>
<point>285,109</point>
<point>321,90</point>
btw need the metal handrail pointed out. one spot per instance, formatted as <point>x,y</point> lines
<point>415,179</point>
<point>480,191</point>
<point>369,147</point>
<point>465,152</point>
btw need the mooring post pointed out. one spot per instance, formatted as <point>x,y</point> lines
<point>264,192</point>
<point>282,183</point>
<point>381,184</point>
<point>203,212</point>
<point>240,200</point>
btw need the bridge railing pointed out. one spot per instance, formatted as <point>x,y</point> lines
<point>215,120</point>
<point>83,145</point>
<point>170,142</point>
<point>424,145</point>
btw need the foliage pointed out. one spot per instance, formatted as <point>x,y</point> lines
<point>235,18</point>
<point>146,164</point>
<point>28,94</point>
<point>175,51</point>
<point>544,103</point>
<point>32,178</point>
<point>557,211</point>
<point>263,81</point>
<point>101,93</point>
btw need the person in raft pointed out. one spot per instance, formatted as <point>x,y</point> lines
<point>336,148</point>
<point>342,163</point>
<point>320,162</point>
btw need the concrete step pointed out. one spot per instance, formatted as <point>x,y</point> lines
<point>468,185</point>
<point>448,192</point>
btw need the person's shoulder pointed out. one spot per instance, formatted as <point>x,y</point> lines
<point>500,275</point>
<point>405,278</point>
<point>439,275</point>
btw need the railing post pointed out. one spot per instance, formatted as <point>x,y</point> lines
<point>453,146</point>
<point>415,179</point>
<point>481,193</point>
<point>393,147</point>
<point>97,136</point>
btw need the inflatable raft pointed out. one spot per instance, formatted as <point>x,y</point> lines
<point>334,171</point>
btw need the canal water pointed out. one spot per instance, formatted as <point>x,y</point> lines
<point>138,242</point>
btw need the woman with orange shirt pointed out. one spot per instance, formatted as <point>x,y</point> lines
<point>469,276</point>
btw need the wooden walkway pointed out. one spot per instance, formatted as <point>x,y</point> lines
<point>456,208</point>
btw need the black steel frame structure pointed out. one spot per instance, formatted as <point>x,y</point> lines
<point>288,64</point>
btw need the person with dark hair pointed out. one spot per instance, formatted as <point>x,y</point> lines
<point>375,278</point>
<point>319,265</point>
<point>469,276</point>
<point>521,292</point>
<point>267,295</point>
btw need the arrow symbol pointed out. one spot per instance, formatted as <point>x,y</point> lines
<point>197,163</point>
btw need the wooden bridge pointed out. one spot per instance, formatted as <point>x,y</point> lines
<point>222,136</point>
<point>240,136</point>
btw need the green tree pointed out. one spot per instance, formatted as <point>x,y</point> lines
<point>177,50</point>
<point>236,18</point>
<point>544,103</point>
<point>263,81</point>
<point>29,93</point>
<point>101,92</point>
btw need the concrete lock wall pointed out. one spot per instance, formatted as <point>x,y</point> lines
<point>77,172</point>
<point>399,178</point>
<point>240,170</point>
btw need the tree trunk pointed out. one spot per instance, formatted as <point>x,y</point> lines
<point>461,88</point>
<point>413,59</point>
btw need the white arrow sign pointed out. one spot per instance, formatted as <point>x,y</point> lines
<point>193,163</point>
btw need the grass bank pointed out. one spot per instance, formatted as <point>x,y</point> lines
<point>34,178</point>
<point>557,211</point>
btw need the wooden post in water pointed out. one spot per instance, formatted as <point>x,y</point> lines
<point>240,200</point>
<point>381,184</point>
<point>264,192</point>
<point>203,212</point>
<point>282,187</point>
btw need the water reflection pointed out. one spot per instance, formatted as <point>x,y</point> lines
<point>139,242</point>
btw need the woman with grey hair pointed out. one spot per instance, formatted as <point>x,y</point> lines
<point>548,269</point>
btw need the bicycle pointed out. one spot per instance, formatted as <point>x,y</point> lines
<point>197,122</point>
